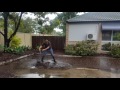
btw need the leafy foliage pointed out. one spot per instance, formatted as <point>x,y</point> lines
<point>27,26</point>
<point>115,51</point>
<point>1,48</point>
<point>15,42</point>
<point>10,19</point>
<point>17,50</point>
<point>107,46</point>
<point>117,36</point>
<point>70,50</point>
<point>62,18</point>
<point>83,48</point>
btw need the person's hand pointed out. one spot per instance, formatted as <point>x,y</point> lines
<point>40,48</point>
<point>43,49</point>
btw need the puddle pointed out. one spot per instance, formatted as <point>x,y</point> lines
<point>39,76</point>
<point>66,67</point>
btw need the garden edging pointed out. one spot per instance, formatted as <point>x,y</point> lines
<point>11,60</point>
<point>62,55</point>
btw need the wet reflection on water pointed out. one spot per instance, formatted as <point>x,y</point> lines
<point>40,76</point>
<point>85,67</point>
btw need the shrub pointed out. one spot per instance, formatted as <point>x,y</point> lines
<point>115,51</point>
<point>17,50</point>
<point>1,48</point>
<point>37,47</point>
<point>70,50</point>
<point>83,48</point>
<point>107,46</point>
<point>16,41</point>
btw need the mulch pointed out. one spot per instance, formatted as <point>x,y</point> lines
<point>8,56</point>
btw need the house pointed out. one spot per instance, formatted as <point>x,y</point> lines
<point>98,26</point>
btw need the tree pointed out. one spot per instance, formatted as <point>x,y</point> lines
<point>47,29</point>
<point>13,20</point>
<point>27,25</point>
<point>44,28</point>
<point>62,18</point>
<point>16,41</point>
<point>16,18</point>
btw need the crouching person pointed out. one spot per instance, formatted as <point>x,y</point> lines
<point>46,48</point>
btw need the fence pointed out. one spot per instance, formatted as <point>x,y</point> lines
<point>32,40</point>
<point>58,42</point>
<point>26,39</point>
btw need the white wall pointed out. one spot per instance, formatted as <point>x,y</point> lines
<point>78,32</point>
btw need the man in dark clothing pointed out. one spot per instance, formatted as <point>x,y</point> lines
<point>46,48</point>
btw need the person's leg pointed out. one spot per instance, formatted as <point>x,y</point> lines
<point>43,53</point>
<point>51,52</point>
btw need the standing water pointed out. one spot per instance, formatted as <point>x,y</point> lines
<point>66,67</point>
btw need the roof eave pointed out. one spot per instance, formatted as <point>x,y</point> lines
<point>91,21</point>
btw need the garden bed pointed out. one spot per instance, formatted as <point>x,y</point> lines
<point>8,56</point>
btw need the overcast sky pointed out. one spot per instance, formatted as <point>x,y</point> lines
<point>51,17</point>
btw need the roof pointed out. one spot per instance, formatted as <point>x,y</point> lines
<point>96,16</point>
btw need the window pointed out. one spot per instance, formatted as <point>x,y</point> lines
<point>114,34</point>
<point>106,35</point>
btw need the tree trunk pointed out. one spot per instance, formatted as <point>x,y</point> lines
<point>5,15</point>
<point>6,39</point>
<point>16,28</point>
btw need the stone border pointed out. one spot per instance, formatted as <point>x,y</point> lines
<point>86,69</point>
<point>11,60</point>
<point>62,55</point>
<point>66,55</point>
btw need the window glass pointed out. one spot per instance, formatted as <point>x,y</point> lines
<point>106,35</point>
<point>115,33</point>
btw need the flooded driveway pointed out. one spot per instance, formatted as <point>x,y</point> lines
<point>67,67</point>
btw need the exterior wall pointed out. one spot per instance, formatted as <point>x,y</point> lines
<point>78,32</point>
<point>67,31</point>
<point>100,38</point>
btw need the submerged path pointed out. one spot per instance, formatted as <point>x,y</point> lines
<point>66,67</point>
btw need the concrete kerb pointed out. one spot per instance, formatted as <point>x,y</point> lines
<point>11,60</point>
<point>63,55</point>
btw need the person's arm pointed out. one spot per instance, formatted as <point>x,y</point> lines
<point>40,48</point>
<point>46,48</point>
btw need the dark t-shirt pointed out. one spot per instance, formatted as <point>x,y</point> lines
<point>45,45</point>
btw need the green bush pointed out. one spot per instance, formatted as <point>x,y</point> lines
<point>115,51</point>
<point>83,48</point>
<point>70,50</point>
<point>16,41</point>
<point>107,46</point>
<point>17,50</point>
<point>1,48</point>
<point>37,47</point>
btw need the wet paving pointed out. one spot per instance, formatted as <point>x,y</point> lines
<point>66,67</point>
